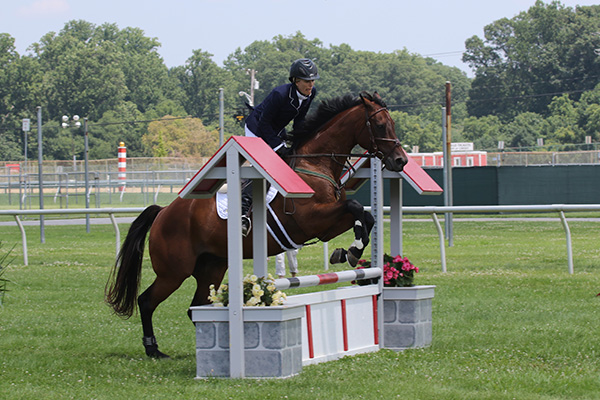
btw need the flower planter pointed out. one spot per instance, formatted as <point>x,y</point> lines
<point>272,341</point>
<point>407,317</point>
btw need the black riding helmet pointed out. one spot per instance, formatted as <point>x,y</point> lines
<point>304,69</point>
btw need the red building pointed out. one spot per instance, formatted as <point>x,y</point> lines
<point>459,159</point>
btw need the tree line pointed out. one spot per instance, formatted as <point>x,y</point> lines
<point>535,76</point>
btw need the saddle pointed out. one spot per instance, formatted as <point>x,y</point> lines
<point>274,226</point>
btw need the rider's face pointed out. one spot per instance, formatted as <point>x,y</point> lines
<point>305,87</point>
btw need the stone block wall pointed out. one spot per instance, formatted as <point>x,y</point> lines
<point>272,348</point>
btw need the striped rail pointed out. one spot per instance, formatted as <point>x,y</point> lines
<point>324,279</point>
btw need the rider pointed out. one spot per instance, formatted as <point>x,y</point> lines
<point>285,103</point>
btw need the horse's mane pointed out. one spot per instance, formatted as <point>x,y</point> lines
<point>327,109</point>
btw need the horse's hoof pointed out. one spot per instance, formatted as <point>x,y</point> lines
<point>157,354</point>
<point>152,348</point>
<point>352,258</point>
<point>338,256</point>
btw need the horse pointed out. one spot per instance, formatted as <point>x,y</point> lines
<point>188,238</point>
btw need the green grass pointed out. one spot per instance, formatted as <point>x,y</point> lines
<point>509,322</point>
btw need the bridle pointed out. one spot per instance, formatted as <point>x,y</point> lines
<point>374,149</point>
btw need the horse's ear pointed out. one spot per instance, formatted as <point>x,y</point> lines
<point>365,95</point>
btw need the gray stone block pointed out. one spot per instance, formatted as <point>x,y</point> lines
<point>293,332</point>
<point>408,311</point>
<point>274,335</point>
<point>398,336</point>
<point>212,363</point>
<point>263,363</point>
<point>389,311</point>
<point>251,335</point>
<point>206,335</point>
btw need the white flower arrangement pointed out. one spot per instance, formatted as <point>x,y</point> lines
<point>259,292</point>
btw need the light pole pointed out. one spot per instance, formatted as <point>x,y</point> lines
<point>253,84</point>
<point>77,124</point>
<point>248,98</point>
<point>40,170</point>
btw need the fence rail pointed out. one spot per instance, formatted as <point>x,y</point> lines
<point>84,211</point>
<point>433,211</point>
<point>550,208</point>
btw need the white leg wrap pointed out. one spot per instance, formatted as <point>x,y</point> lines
<point>358,244</point>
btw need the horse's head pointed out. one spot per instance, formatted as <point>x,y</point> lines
<point>379,136</point>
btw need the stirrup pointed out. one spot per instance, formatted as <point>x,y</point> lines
<point>246,225</point>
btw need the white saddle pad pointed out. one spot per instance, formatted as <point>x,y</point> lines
<point>222,201</point>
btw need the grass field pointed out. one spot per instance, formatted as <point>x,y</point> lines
<point>509,322</point>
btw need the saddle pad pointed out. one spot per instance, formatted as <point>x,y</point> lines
<point>221,201</point>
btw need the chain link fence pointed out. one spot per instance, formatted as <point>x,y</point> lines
<point>544,158</point>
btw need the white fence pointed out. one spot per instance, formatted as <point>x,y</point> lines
<point>109,211</point>
<point>551,208</point>
<point>560,209</point>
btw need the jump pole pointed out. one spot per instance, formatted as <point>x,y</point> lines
<point>376,183</point>
<point>326,279</point>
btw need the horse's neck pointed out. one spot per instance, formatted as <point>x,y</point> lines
<point>338,137</point>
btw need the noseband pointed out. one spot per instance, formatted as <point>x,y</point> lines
<point>375,150</point>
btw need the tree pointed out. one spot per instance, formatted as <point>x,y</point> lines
<point>589,113</point>
<point>562,123</point>
<point>118,125</point>
<point>524,130</point>
<point>525,61</point>
<point>176,137</point>
<point>484,132</point>
<point>82,73</point>
<point>413,131</point>
<point>200,79</point>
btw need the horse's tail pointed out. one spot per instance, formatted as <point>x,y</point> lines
<point>122,287</point>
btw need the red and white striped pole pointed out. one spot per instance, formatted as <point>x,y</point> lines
<point>324,279</point>
<point>122,166</point>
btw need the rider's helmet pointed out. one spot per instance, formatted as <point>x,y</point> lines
<point>304,69</point>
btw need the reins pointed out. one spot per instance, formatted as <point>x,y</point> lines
<point>375,152</point>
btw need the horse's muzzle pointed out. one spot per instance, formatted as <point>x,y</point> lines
<point>396,163</point>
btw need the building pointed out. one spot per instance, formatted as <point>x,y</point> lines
<point>459,159</point>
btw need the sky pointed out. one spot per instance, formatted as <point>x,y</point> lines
<point>432,28</point>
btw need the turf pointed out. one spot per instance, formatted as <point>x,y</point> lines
<point>509,322</point>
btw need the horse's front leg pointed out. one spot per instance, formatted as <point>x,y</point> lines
<point>363,223</point>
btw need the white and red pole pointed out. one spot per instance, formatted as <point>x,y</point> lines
<point>122,166</point>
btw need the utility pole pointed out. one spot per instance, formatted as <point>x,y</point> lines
<point>221,118</point>
<point>87,177</point>
<point>448,197</point>
<point>252,85</point>
<point>41,183</point>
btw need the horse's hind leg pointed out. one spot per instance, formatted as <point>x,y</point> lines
<point>148,301</point>
<point>209,271</point>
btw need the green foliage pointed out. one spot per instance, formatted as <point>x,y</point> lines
<point>116,78</point>
<point>544,50</point>
<point>171,137</point>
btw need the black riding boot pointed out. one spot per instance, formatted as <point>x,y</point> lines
<point>246,205</point>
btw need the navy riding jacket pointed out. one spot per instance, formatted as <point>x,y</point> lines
<point>278,109</point>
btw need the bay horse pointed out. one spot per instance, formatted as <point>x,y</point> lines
<point>188,238</point>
